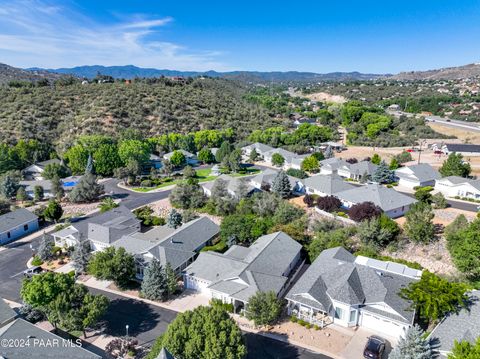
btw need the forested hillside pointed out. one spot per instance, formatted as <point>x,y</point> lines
<point>63,112</point>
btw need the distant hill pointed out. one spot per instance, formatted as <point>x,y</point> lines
<point>10,73</point>
<point>130,71</point>
<point>447,73</point>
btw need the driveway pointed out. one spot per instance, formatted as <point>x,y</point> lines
<point>354,348</point>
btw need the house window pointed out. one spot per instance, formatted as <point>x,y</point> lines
<point>25,227</point>
<point>353,316</point>
<point>338,313</point>
<point>8,235</point>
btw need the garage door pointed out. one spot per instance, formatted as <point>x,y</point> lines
<point>381,325</point>
<point>196,284</point>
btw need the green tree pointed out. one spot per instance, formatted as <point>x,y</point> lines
<point>170,281</point>
<point>178,159</point>
<point>439,201</point>
<point>378,231</point>
<point>233,161</point>
<point>154,281</point>
<point>108,204</point>
<point>113,264</point>
<point>9,184</point>
<point>328,153</point>
<point>278,160</point>
<point>393,164</point>
<point>465,350</point>
<point>433,297</point>
<point>310,164</point>
<point>383,174</point>
<point>187,194</point>
<point>224,151</point>
<point>423,194</point>
<point>40,290</point>
<point>45,249</point>
<point>376,159</point>
<point>38,193</point>
<point>57,188</point>
<point>54,170</point>
<point>254,156</point>
<point>174,219</point>
<point>281,185</point>
<point>464,246</point>
<point>412,346</point>
<point>189,172</point>
<point>264,308</point>
<point>202,333</point>
<point>205,155</point>
<point>21,194</point>
<point>287,213</point>
<point>134,150</point>
<point>81,256</point>
<point>54,211</point>
<point>418,225</point>
<point>237,226</point>
<point>76,157</point>
<point>296,173</point>
<point>334,237</point>
<point>106,159</point>
<point>87,189</point>
<point>454,165</point>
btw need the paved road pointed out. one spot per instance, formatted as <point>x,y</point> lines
<point>472,207</point>
<point>445,121</point>
<point>147,322</point>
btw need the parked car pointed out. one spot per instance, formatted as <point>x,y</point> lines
<point>438,152</point>
<point>374,348</point>
<point>30,272</point>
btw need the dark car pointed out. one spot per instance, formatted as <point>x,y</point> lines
<point>375,348</point>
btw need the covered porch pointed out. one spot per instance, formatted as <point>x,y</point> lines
<point>311,315</point>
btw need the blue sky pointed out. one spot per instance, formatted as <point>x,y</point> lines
<point>319,36</point>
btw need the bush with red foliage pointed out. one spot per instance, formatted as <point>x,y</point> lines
<point>364,211</point>
<point>329,203</point>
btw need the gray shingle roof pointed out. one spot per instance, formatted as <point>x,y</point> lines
<point>457,180</point>
<point>421,172</point>
<point>362,167</point>
<point>16,218</point>
<point>185,153</point>
<point>464,325</point>
<point>335,275</point>
<point>386,198</point>
<point>20,329</point>
<point>289,157</point>
<point>267,176</point>
<point>257,268</point>
<point>6,313</point>
<point>333,163</point>
<point>329,184</point>
<point>233,183</point>
<point>259,147</point>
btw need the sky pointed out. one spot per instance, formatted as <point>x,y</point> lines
<point>369,36</point>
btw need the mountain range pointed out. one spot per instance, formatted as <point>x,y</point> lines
<point>446,73</point>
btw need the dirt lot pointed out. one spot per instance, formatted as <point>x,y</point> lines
<point>326,97</point>
<point>462,135</point>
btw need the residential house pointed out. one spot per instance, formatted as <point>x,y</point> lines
<point>354,291</point>
<point>240,272</point>
<point>154,161</point>
<point>35,171</point>
<point>357,171</point>
<point>292,160</point>
<point>467,150</point>
<point>178,247</point>
<point>417,175</point>
<point>101,230</point>
<point>464,325</point>
<point>34,342</point>
<point>190,157</point>
<point>67,183</point>
<point>16,224</point>
<point>331,165</point>
<point>260,148</point>
<point>265,179</point>
<point>234,186</point>
<point>453,186</point>
<point>394,204</point>
<point>336,146</point>
<point>326,185</point>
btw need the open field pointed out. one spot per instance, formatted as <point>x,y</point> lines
<point>326,97</point>
<point>462,134</point>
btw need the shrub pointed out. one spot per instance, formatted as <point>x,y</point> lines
<point>37,261</point>
<point>293,319</point>
<point>329,203</point>
<point>146,183</point>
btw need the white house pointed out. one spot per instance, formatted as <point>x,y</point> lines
<point>16,224</point>
<point>454,186</point>
<point>68,184</point>
<point>235,185</point>
<point>190,157</point>
<point>417,175</point>
<point>292,160</point>
<point>394,204</point>
<point>259,147</point>
<point>35,171</point>
<point>240,272</point>
<point>353,291</point>
<point>332,165</point>
<point>326,185</point>
<point>357,170</point>
<point>265,179</point>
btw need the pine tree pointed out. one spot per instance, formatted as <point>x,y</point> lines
<point>87,189</point>
<point>57,188</point>
<point>328,153</point>
<point>254,156</point>
<point>413,346</point>
<point>89,167</point>
<point>171,281</point>
<point>281,185</point>
<point>81,256</point>
<point>174,219</point>
<point>154,284</point>
<point>21,194</point>
<point>382,174</point>
<point>45,249</point>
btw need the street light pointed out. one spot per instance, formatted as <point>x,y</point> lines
<point>126,327</point>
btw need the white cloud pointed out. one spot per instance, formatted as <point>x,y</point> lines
<point>41,34</point>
